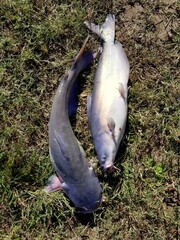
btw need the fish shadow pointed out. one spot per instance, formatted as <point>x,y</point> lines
<point>85,219</point>
<point>121,153</point>
<point>90,219</point>
<point>122,150</point>
<point>77,89</point>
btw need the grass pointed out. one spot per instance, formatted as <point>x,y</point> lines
<point>38,41</point>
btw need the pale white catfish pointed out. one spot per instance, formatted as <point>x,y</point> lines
<point>74,175</point>
<point>107,107</point>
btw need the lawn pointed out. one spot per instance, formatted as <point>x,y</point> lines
<point>38,42</point>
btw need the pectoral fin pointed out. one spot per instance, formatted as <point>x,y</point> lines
<point>122,91</point>
<point>111,125</point>
<point>54,184</point>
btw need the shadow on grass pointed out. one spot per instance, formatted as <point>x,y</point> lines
<point>76,90</point>
<point>89,219</point>
<point>85,219</point>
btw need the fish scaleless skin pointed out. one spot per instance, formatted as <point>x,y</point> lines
<point>74,175</point>
<point>107,106</point>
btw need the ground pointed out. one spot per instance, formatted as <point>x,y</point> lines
<point>38,43</point>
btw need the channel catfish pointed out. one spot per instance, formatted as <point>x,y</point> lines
<point>107,106</point>
<point>74,174</point>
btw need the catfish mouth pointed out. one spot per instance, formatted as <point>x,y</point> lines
<point>110,169</point>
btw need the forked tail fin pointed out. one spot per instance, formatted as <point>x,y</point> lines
<point>106,31</point>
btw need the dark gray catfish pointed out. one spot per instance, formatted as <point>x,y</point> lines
<point>74,174</point>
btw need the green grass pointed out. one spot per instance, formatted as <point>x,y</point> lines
<point>38,41</point>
